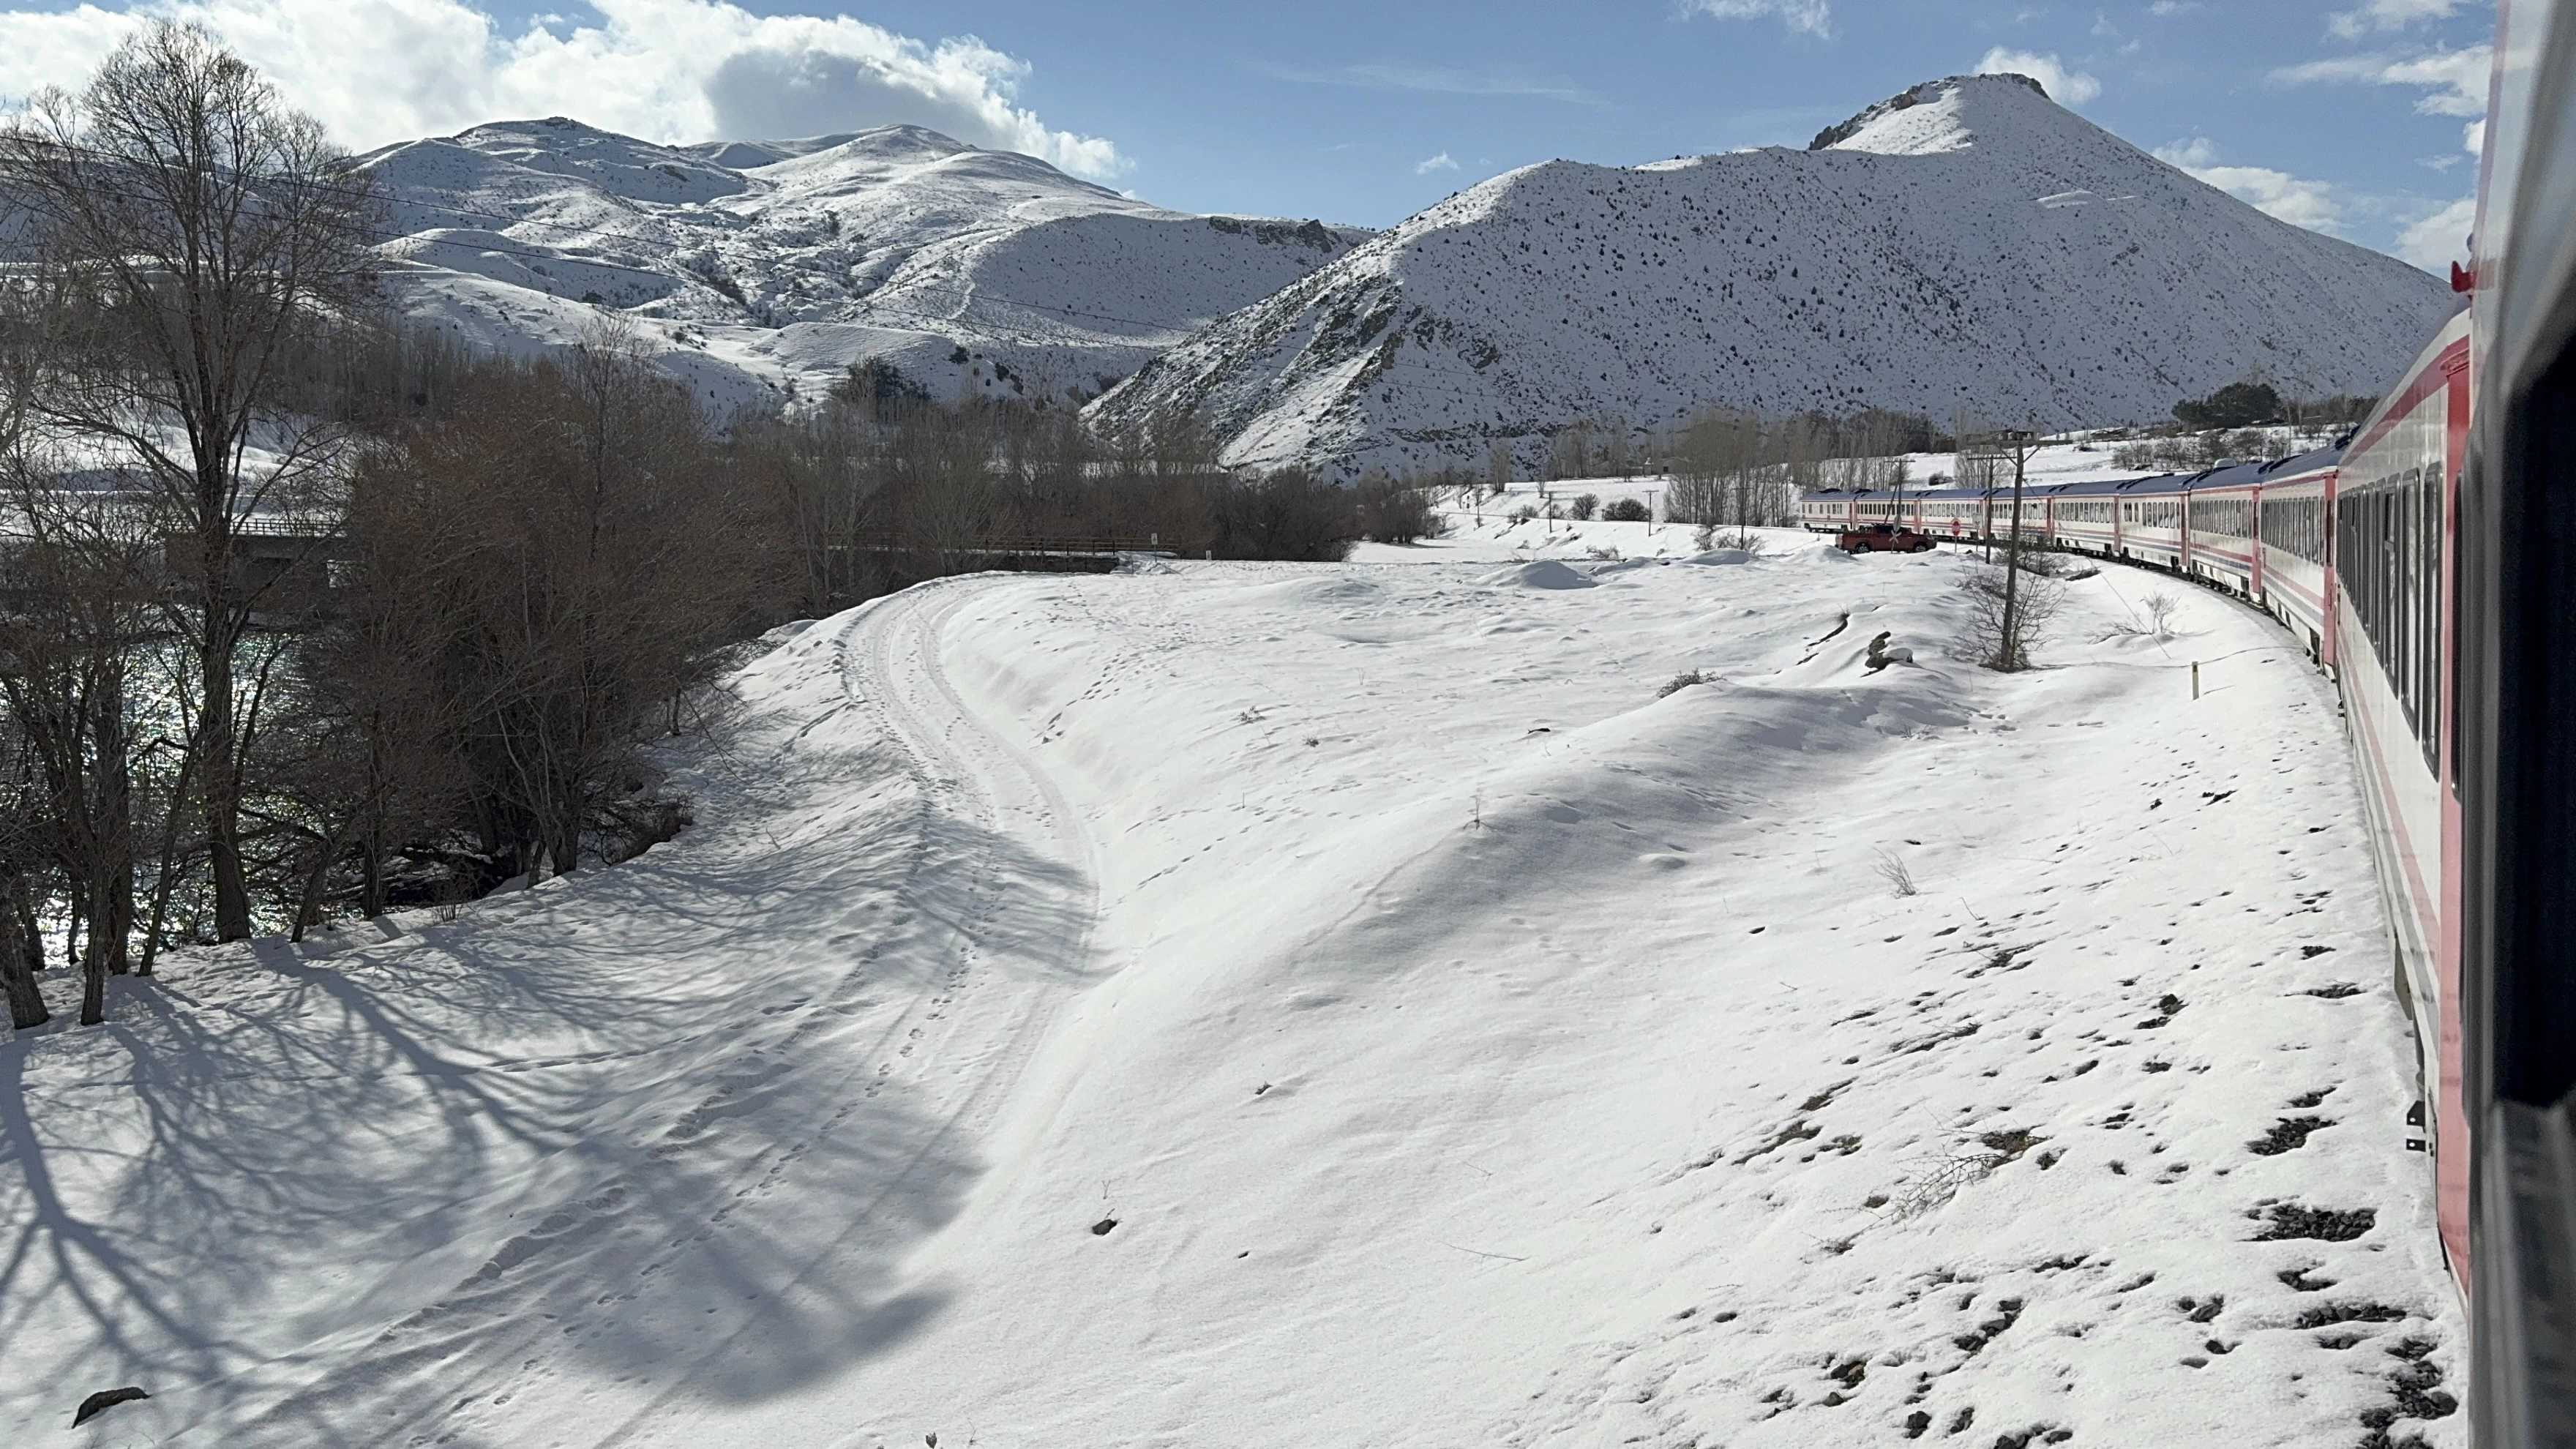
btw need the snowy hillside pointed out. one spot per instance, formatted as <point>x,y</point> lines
<point>1968,241</point>
<point>1271,1006</point>
<point>757,264</point>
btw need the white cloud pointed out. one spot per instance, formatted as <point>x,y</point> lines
<point>666,70</point>
<point>42,48</point>
<point>2187,154</point>
<point>2066,87</point>
<point>2167,9</point>
<point>2441,238</point>
<point>2473,137</point>
<point>2311,204</point>
<point>2389,15</point>
<point>1805,17</point>
<point>2456,80</point>
<point>1440,162</point>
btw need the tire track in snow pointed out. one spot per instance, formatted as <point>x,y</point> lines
<point>994,803</point>
<point>996,867</point>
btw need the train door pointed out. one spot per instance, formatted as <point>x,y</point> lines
<point>2254,546</point>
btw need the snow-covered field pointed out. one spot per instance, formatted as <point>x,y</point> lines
<point>1271,1005</point>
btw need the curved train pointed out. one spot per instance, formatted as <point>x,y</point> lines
<point>2346,547</point>
<point>2429,565</point>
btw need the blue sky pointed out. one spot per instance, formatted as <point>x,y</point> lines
<point>2354,116</point>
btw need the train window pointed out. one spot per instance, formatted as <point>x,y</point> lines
<point>2388,553</point>
<point>2225,517</point>
<point>2295,526</point>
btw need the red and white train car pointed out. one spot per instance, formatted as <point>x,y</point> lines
<point>2293,555</point>
<point>2395,493</point>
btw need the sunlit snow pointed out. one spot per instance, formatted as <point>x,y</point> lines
<point>1275,1005</point>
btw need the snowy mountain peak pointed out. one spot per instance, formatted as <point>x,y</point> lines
<point>1944,115</point>
<point>881,150</point>
<point>1966,242</point>
<point>748,155</point>
<point>897,143</point>
<point>762,268</point>
<point>873,159</point>
<point>619,165</point>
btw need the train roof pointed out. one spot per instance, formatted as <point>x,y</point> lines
<point>2224,475</point>
<point>2246,475</point>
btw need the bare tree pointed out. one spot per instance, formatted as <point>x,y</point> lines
<point>72,608</point>
<point>1996,632</point>
<point>24,829</point>
<point>2015,619</point>
<point>568,550</point>
<point>1617,449</point>
<point>1730,469</point>
<point>363,757</point>
<point>1569,450</point>
<point>198,233</point>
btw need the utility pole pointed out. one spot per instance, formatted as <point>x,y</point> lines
<point>2022,442</point>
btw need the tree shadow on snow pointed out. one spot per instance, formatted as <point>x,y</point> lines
<point>376,1196</point>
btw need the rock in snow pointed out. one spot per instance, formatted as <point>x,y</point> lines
<point>1966,242</point>
<point>751,265</point>
<point>104,1400</point>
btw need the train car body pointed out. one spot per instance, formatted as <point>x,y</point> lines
<point>2085,516</point>
<point>2151,520</point>
<point>2510,737</point>
<point>2218,527</point>
<point>2292,548</point>
<point>2395,490</point>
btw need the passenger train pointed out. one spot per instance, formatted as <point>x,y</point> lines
<point>2428,565</point>
<point>2345,547</point>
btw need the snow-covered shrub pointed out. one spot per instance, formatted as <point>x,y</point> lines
<point>1290,514</point>
<point>2153,620</point>
<point>2044,562</point>
<point>1892,869</point>
<point>1395,512</point>
<point>1712,538</point>
<point>2008,609</point>
<point>1628,510</point>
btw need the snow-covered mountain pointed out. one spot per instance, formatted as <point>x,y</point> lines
<point>757,264</point>
<point>1968,241</point>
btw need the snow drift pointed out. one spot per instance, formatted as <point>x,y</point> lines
<point>1966,242</point>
